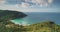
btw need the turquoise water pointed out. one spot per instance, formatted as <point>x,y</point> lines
<point>34,17</point>
<point>20,21</point>
<point>17,21</point>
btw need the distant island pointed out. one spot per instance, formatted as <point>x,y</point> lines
<point>7,26</point>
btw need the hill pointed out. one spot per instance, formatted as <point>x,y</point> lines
<point>7,15</point>
<point>38,27</point>
<point>47,26</point>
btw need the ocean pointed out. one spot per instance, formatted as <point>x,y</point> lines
<point>35,17</point>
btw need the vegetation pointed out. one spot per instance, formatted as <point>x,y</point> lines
<point>8,26</point>
<point>38,27</point>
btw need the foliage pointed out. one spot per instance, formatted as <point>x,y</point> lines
<point>38,27</point>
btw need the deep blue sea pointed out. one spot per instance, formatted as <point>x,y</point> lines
<point>35,17</point>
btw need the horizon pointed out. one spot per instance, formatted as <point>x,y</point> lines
<point>35,17</point>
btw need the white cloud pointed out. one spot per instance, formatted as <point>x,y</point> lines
<point>42,2</point>
<point>27,0</point>
<point>38,2</point>
<point>50,1</point>
<point>8,7</point>
<point>2,1</point>
<point>24,5</point>
<point>29,3</point>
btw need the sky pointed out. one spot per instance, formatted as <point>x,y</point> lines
<point>31,5</point>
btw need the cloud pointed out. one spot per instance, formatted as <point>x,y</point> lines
<point>2,1</point>
<point>24,4</point>
<point>13,2</point>
<point>50,1</point>
<point>8,7</point>
<point>42,2</point>
<point>27,3</point>
<point>27,0</point>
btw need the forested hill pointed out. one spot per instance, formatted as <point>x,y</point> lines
<point>11,14</point>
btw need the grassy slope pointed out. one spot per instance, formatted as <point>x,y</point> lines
<point>45,27</point>
<point>38,27</point>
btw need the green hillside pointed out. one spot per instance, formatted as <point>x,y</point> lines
<point>47,26</point>
<point>8,15</point>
